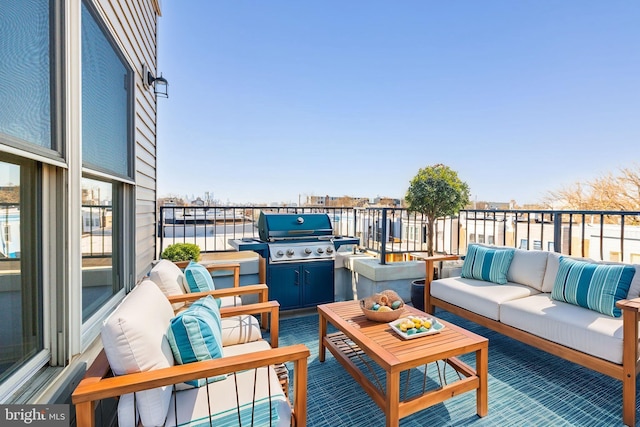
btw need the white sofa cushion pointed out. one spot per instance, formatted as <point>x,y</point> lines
<point>192,405</point>
<point>134,340</point>
<point>169,278</point>
<point>250,347</point>
<point>478,296</point>
<point>240,329</point>
<point>572,326</point>
<point>528,268</point>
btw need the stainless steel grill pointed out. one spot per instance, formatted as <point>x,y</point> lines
<point>300,252</point>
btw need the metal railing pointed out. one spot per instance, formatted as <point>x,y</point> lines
<point>393,232</point>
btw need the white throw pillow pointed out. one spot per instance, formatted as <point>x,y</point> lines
<point>134,340</point>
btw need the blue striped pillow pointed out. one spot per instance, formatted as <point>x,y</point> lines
<point>488,264</point>
<point>198,278</point>
<point>594,286</point>
<point>196,334</point>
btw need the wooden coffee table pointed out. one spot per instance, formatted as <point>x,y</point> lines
<point>394,354</point>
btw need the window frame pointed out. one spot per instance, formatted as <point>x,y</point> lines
<point>123,198</point>
<point>98,170</point>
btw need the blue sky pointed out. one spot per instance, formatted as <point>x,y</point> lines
<point>272,101</point>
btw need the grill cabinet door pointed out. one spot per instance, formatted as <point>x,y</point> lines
<point>318,283</point>
<point>285,285</point>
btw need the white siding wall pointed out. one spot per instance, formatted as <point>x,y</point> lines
<point>134,25</point>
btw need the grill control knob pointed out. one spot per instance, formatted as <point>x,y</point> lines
<point>307,251</point>
<point>290,252</point>
<point>320,250</point>
<point>329,250</point>
<point>279,253</point>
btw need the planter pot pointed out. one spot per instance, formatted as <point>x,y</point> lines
<point>417,294</point>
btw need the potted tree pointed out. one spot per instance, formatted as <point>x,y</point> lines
<point>436,191</point>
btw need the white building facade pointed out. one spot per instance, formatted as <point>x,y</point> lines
<point>77,144</point>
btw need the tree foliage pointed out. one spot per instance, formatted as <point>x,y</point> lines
<point>434,192</point>
<point>610,192</point>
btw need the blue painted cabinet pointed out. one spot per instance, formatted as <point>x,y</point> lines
<point>298,285</point>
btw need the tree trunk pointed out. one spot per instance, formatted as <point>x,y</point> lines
<point>430,236</point>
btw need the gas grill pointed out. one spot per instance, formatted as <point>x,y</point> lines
<point>300,252</point>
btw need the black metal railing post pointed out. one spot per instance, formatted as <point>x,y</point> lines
<point>383,238</point>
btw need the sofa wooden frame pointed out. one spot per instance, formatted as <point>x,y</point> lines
<point>627,372</point>
<point>99,383</point>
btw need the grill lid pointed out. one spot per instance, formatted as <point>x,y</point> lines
<point>287,226</point>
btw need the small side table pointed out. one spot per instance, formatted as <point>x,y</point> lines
<point>429,260</point>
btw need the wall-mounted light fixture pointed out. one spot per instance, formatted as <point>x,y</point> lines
<point>160,84</point>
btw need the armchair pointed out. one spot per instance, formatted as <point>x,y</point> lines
<point>137,353</point>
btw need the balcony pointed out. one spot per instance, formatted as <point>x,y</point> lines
<point>527,386</point>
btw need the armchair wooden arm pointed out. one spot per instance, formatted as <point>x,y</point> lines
<point>261,290</point>
<point>95,386</point>
<point>269,315</point>
<point>269,309</point>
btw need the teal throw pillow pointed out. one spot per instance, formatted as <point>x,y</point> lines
<point>594,286</point>
<point>195,334</point>
<point>198,278</point>
<point>488,264</point>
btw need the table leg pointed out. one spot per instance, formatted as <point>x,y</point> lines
<point>482,370</point>
<point>392,401</point>
<point>322,333</point>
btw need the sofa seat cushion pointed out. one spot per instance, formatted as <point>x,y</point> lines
<point>570,325</point>
<point>489,264</point>
<point>193,409</point>
<point>134,340</point>
<point>249,347</point>
<point>240,329</point>
<point>478,296</point>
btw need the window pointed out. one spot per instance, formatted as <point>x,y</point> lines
<point>107,158</point>
<point>614,256</point>
<point>25,88</point>
<point>472,238</point>
<point>524,244</point>
<point>537,245</point>
<point>491,240</point>
<point>100,267</point>
<point>21,335</point>
<point>480,238</point>
<point>107,83</point>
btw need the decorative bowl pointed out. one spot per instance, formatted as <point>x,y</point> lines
<point>384,298</point>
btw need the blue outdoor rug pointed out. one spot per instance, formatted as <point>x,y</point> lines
<point>527,387</point>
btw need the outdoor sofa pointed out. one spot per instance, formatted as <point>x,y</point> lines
<point>140,364</point>
<point>551,302</point>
